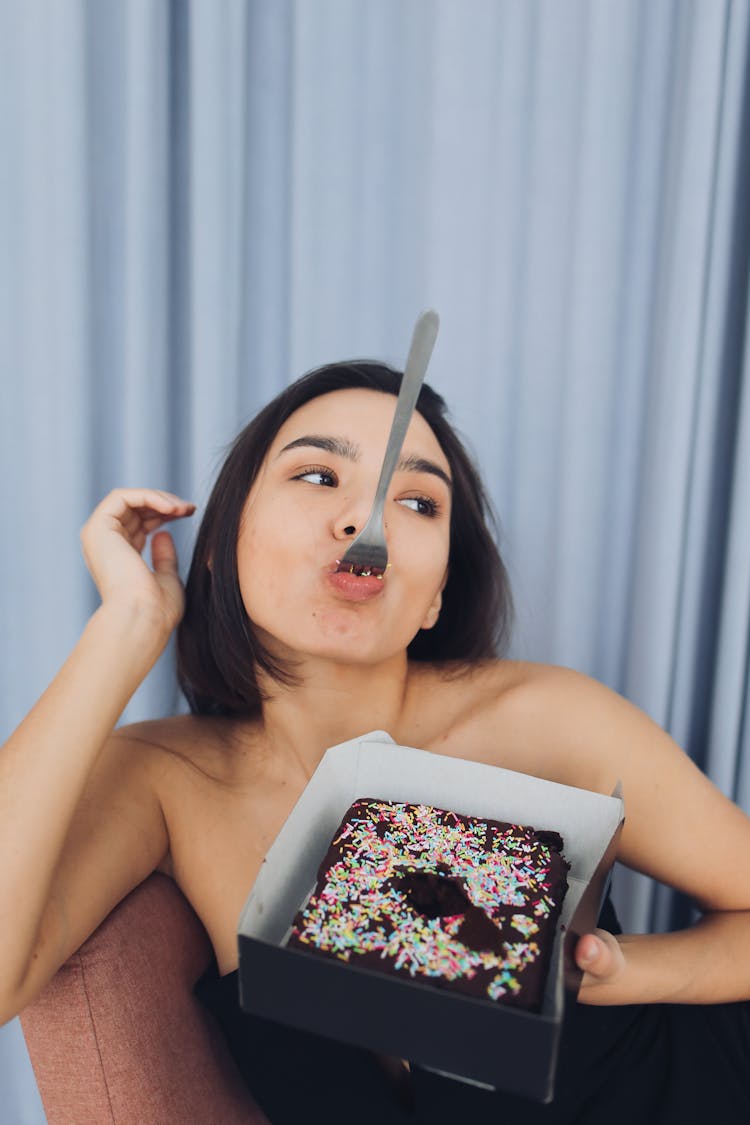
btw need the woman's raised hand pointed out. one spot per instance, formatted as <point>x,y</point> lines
<point>113,539</point>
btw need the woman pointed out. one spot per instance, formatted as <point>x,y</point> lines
<point>282,654</point>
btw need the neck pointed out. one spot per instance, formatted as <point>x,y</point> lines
<point>331,704</point>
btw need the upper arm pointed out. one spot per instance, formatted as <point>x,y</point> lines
<point>117,838</point>
<point>679,828</point>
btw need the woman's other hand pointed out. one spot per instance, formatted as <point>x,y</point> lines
<point>602,959</point>
<point>113,539</point>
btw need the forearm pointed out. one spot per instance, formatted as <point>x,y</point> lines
<point>46,762</point>
<point>705,964</point>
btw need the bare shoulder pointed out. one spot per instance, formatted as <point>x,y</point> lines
<point>518,681</point>
<point>173,732</point>
<point>564,726</point>
<point>577,730</point>
<point>495,681</point>
<point>191,765</point>
<point>546,720</point>
<point>212,746</point>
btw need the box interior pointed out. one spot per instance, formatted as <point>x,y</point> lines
<point>374,766</point>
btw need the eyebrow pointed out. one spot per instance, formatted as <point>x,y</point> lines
<point>342,447</point>
<point>414,464</point>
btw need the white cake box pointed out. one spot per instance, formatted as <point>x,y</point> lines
<point>460,1036</point>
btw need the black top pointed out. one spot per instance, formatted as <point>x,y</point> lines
<point>642,1064</point>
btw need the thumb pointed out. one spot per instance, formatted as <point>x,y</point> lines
<point>601,957</point>
<point>591,955</point>
<point>163,553</point>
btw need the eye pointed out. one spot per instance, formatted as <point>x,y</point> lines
<point>317,474</point>
<point>424,505</point>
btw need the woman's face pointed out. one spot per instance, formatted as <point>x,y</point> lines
<point>317,482</point>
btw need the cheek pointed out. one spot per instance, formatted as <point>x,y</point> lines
<point>429,559</point>
<point>277,550</point>
<point>426,578</point>
<point>257,564</point>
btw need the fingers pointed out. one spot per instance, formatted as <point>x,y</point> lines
<point>113,539</point>
<point>137,511</point>
<point>163,553</point>
<point>145,505</point>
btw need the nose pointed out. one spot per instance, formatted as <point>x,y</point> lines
<point>351,516</point>
<point>350,530</point>
<point>343,529</point>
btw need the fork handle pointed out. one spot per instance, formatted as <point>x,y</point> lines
<point>422,343</point>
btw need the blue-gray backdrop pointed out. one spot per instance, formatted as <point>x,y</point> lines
<point>200,199</point>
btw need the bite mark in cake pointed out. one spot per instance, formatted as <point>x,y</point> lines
<point>446,899</point>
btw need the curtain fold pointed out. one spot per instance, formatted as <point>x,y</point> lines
<point>201,199</point>
<point>690,432</point>
<point>728,746</point>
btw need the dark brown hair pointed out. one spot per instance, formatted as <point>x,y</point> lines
<point>218,652</point>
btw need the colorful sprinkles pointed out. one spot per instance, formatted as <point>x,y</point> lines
<point>360,909</point>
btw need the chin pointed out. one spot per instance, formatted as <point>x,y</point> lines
<point>353,652</point>
<point>336,637</point>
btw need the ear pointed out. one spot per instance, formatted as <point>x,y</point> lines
<point>433,613</point>
<point>430,618</point>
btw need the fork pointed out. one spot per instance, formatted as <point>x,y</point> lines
<point>369,551</point>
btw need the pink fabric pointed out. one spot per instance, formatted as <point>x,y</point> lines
<point>117,1036</point>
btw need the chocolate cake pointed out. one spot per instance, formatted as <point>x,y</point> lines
<point>439,898</point>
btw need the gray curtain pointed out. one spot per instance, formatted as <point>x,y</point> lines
<point>200,200</point>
